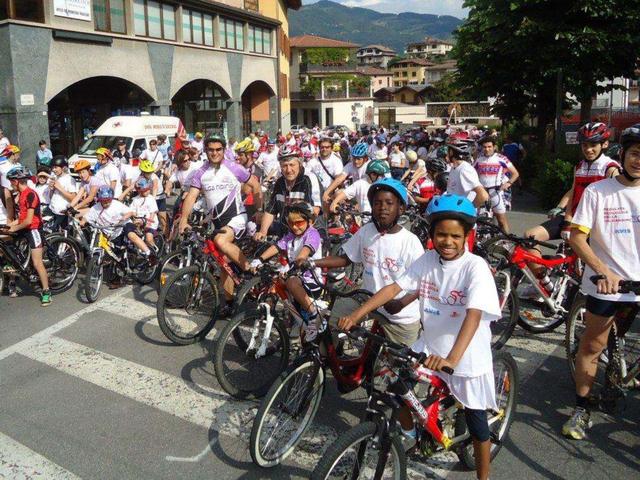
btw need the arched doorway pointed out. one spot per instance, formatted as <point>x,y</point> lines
<point>81,108</point>
<point>202,107</point>
<point>257,109</point>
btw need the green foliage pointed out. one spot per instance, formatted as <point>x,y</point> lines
<point>551,176</point>
<point>319,56</point>
<point>513,50</point>
<point>448,88</point>
<point>367,27</point>
<point>312,87</point>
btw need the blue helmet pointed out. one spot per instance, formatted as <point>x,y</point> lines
<point>359,150</point>
<point>18,173</point>
<point>105,193</point>
<point>143,184</point>
<point>381,139</point>
<point>390,184</point>
<point>451,207</point>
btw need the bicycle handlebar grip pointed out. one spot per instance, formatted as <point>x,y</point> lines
<point>594,278</point>
<point>447,370</point>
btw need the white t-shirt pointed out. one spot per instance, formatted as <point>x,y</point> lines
<point>44,193</point>
<point>109,220</point>
<point>462,180</point>
<point>385,258</point>
<point>146,207</point>
<point>154,156</point>
<point>183,177</point>
<point>4,143</point>
<point>198,145</point>
<point>87,186</point>
<point>4,169</point>
<point>355,173</point>
<point>610,212</point>
<point>397,160</point>
<point>129,173</point>
<point>58,203</point>
<point>359,190</point>
<point>108,174</point>
<point>447,290</point>
<point>332,168</point>
<point>269,162</point>
<point>492,171</point>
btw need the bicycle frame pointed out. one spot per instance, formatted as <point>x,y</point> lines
<point>211,250</point>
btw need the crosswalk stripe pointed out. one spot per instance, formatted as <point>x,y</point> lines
<point>531,350</point>
<point>18,461</point>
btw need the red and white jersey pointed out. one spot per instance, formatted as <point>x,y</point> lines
<point>492,171</point>
<point>427,188</point>
<point>587,173</point>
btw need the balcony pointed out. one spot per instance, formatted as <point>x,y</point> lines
<point>333,92</point>
<point>349,67</point>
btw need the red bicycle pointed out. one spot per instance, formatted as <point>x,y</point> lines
<point>373,449</point>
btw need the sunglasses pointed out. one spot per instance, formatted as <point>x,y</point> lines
<point>297,223</point>
<point>214,150</point>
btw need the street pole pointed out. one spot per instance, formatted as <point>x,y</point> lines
<point>559,97</point>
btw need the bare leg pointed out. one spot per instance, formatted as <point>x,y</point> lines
<point>502,221</point>
<point>149,238</point>
<point>482,455</point>
<point>137,241</point>
<point>294,286</point>
<point>224,243</point>
<point>36,260</point>
<point>539,233</point>
<point>593,341</point>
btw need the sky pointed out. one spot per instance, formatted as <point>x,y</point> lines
<point>436,7</point>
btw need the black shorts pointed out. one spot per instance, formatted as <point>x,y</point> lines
<point>477,423</point>
<point>553,226</point>
<point>605,308</point>
<point>162,204</point>
<point>34,237</point>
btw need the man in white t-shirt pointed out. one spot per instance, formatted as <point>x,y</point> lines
<point>198,143</point>
<point>386,251</point>
<point>268,160</point>
<point>605,234</point>
<point>154,155</point>
<point>327,166</point>
<point>463,178</point>
<point>64,188</point>
<point>108,174</point>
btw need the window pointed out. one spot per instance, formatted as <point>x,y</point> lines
<point>259,40</point>
<point>231,34</point>
<point>197,28</point>
<point>29,10</point>
<point>154,19</point>
<point>108,16</point>
<point>208,30</point>
<point>414,74</point>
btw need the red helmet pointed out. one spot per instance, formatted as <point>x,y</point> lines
<point>593,132</point>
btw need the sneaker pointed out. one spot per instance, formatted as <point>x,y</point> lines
<point>576,427</point>
<point>12,289</point>
<point>45,298</point>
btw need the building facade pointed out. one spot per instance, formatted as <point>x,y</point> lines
<point>409,71</point>
<point>428,47</point>
<point>435,72</point>
<point>375,55</point>
<point>218,65</point>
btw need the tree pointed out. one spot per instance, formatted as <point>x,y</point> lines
<point>513,50</point>
<point>448,89</point>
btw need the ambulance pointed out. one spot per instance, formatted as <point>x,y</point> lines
<point>135,131</point>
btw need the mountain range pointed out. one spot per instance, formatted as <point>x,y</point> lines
<point>366,27</point>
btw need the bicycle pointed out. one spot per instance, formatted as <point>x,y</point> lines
<point>109,261</point>
<point>60,258</point>
<point>290,405</point>
<point>622,370</point>
<point>373,449</point>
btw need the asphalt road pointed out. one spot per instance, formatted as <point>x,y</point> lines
<point>97,392</point>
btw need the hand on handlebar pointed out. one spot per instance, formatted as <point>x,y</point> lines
<point>347,323</point>
<point>607,283</point>
<point>554,212</point>
<point>439,364</point>
<point>259,236</point>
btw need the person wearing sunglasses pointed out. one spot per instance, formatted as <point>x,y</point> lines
<point>301,243</point>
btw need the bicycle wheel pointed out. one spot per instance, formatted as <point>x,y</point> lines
<point>575,327</point>
<point>171,263</point>
<point>497,249</point>
<point>355,455</point>
<point>286,412</point>
<point>505,374</point>
<point>187,307</point>
<point>242,369</point>
<point>534,316</point>
<point>61,258</point>
<point>502,329</point>
<point>93,278</point>
<point>148,272</point>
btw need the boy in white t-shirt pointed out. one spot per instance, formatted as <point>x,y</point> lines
<point>146,209</point>
<point>463,178</point>
<point>605,233</point>
<point>63,190</point>
<point>386,251</point>
<point>360,188</point>
<point>458,301</point>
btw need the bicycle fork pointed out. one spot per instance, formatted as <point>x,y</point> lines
<point>268,325</point>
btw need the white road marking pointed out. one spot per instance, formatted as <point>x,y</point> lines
<point>195,458</point>
<point>19,462</point>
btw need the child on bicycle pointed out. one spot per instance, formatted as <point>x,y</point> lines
<point>386,250</point>
<point>458,301</point>
<point>29,224</point>
<point>303,242</point>
<point>146,210</point>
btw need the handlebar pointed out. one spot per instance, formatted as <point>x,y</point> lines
<point>529,242</point>
<point>625,286</point>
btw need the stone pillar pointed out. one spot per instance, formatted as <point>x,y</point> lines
<point>323,120</point>
<point>234,119</point>
<point>321,89</point>
<point>347,88</point>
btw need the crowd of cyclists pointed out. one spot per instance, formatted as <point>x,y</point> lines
<point>434,293</point>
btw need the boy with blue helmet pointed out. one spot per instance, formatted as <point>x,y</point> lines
<point>386,250</point>
<point>354,170</point>
<point>359,190</point>
<point>458,301</point>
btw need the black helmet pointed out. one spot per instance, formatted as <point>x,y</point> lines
<point>461,150</point>
<point>303,208</point>
<point>216,138</point>
<point>436,165</point>
<point>59,161</point>
<point>441,181</point>
<point>630,136</point>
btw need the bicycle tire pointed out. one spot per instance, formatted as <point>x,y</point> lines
<point>502,329</point>
<point>59,262</point>
<point>165,302</point>
<point>315,372</point>
<point>510,405</point>
<point>93,278</point>
<point>239,373</point>
<point>534,327</point>
<point>169,264</point>
<point>575,326</point>
<point>146,276</point>
<point>364,432</point>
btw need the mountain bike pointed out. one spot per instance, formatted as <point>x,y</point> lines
<point>60,258</point>
<point>622,355</point>
<point>373,448</point>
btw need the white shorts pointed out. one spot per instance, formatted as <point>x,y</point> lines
<point>498,205</point>
<point>238,224</point>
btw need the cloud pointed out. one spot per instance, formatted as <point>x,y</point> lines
<point>435,7</point>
